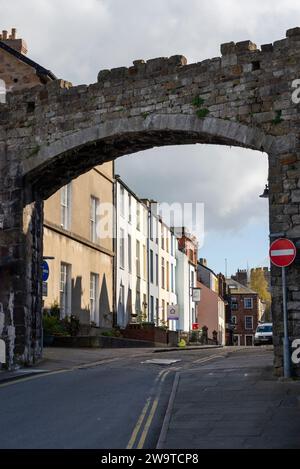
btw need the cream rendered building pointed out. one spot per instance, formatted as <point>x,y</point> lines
<point>81,273</point>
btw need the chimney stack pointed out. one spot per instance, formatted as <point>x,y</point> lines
<point>18,44</point>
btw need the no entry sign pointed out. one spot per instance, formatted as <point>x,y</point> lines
<point>283,252</point>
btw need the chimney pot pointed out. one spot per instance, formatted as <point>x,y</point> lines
<point>4,34</point>
<point>13,33</point>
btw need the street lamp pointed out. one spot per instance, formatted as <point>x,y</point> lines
<point>266,193</point>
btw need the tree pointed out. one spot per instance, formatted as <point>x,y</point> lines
<point>259,284</point>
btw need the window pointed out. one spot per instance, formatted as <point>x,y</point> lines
<point>145,223</point>
<point>94,205</point>
<point>152,309</point>
<point>162,238</point>
<point>172,245</point>
<point>156,311</point>
<point>122,249</point>
<point>151,267</point>
<point>122,302</point>
<point>138,259</point>
<point>167,243</point>
<point>65,206</point>
<point>129,254</point>
<point>156,232</point>
<point>234,303</point>
<point>93,298</point>
<point>122,201</point>
<point>162,272</point>
<point>234,320</point>
<point>248,303</point>
<point>168,276</point>
<point>151,227</point>
<point>145,261</point>
<point>65,290</point>
<point>138,303</point>
<point>157,273</point>
<point>249,322</point>
<point>172,278</point>
<point>138,216</point>
<point>192,279</point>
<point>129,208</point>
<point>163,312</point>
<point>145,305</point>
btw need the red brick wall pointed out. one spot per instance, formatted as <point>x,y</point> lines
<point>241,314</point>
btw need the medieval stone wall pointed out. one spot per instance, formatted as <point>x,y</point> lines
<point>51,134</point>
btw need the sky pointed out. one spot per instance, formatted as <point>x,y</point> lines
<point>75,39</point>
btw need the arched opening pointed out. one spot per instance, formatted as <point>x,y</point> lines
<point>51,175</point>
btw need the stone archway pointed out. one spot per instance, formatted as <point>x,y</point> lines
<point>52,133</point>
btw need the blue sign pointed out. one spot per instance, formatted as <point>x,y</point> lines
<point>45,271</point>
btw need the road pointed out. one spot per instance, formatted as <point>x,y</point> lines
<point>120,404</point>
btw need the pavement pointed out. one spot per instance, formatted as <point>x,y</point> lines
<point>234,403</point>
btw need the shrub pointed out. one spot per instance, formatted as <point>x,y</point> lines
<point>53,326</point>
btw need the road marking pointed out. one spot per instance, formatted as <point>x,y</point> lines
<point>151,414</point>
<point>30,378</point>
<point>45,373</point>
<point>147,424</point>
<point>207,359</point>
<point>160,377</point>
<point>138,425</point>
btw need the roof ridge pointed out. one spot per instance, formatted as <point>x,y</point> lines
<point>23,58</point>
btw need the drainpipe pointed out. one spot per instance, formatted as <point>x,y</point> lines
<point>148,260</point>
<point>115,230</point>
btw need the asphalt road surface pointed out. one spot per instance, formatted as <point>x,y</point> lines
<point>120,404</point>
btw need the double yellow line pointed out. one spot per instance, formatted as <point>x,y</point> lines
<point>209,358</point>
<point>143,424</point>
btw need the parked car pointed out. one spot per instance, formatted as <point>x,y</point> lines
<point>264,334</point>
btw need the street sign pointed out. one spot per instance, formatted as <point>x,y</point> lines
<point>45,267</point>
<point>173,313</point>
<point>196,326</point>
<point>45,289</point>
<point>196,295</point>
<point>283,252</point>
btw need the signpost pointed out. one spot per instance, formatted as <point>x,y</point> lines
<point>283,253</point>
<point>173,313</point>
<point>196,295</point>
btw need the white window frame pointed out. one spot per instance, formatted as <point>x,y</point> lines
<point>122,201</point>
<point>94,293</point>
<point>65,206</point>
<point>129,240</point>
<point>65,288</point>
<point>245,303</point>
<point>94,209</point>
<point>122,248</point>
<point>138,258</point>
<point>252,322</point>
<point>129,208</point>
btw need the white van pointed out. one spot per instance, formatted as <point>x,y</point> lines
<point>264,334</point>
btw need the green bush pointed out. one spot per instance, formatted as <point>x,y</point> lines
<point>53,326</point>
